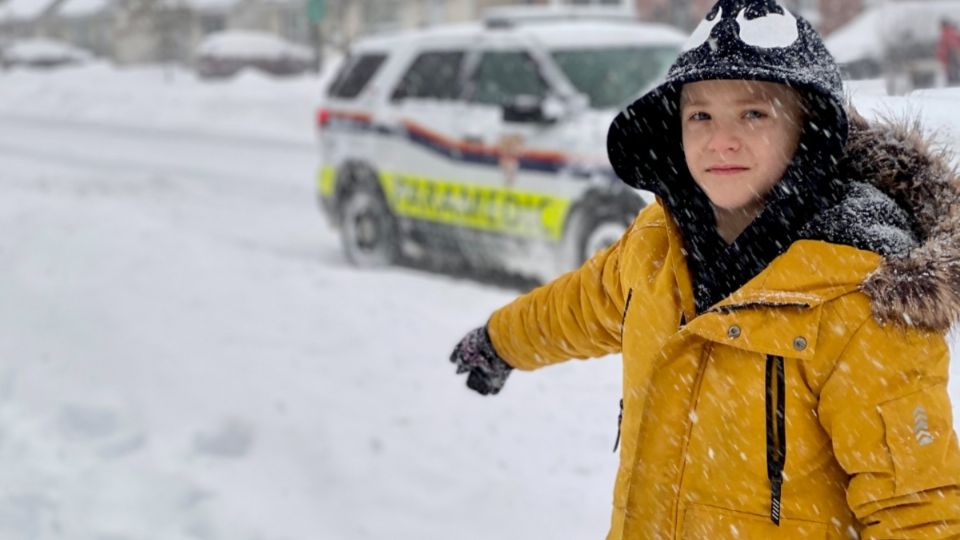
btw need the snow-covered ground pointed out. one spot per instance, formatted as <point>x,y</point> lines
<point>184,353</point>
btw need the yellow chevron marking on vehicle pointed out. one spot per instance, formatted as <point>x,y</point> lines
<point>502,210</point>
<point>327,179</point>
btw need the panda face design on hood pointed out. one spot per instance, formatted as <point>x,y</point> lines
<point>764,25</point>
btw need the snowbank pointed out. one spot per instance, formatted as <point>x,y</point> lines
<point>252,105</point>
<point>250,45</point>
<point>43,52</point>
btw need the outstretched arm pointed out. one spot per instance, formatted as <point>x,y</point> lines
<point>578,315</point>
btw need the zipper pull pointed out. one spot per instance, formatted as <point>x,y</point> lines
<point>775,501</point>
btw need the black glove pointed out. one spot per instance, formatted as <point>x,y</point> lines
<point>475,354</point>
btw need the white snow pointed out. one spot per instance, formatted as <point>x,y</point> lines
<point>859,39</point>
<point>250,44</point>
<point>253,104</point>
<point>186,355</point>
<point>80,8</point>
<point>42,49</point>
<point>869,34</point>
<point>16,10</point>
<point>585,34</point>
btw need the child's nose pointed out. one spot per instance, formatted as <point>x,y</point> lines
<point>724,140</point>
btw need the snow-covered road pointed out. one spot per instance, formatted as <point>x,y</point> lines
<point>185,355</point>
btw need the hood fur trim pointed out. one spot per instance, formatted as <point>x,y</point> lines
<point>921,288</point>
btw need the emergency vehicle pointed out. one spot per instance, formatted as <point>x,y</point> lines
<point>486,142</point>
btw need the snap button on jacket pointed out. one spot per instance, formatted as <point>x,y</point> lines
<point>865,445</point>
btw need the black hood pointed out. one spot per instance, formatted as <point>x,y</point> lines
<point>738,40</point>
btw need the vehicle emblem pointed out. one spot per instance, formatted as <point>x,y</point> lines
<point>509,148</point>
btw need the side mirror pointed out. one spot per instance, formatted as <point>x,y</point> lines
<point>531,109</point>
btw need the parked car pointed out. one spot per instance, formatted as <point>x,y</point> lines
<point>486,142</point>
<point>223,54</point>
<point>897,42</point>
<point>43,53</point>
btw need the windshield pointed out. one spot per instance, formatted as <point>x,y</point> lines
<point>609,77</point>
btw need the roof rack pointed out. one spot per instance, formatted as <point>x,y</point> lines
<point>511,16</point>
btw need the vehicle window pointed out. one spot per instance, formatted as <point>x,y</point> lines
<point>432,75</point>
<point>502,76</point>
<point>610,77</point>
<point>355,74</point>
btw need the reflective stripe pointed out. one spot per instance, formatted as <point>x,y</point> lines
<point>327,181</point>
<point>493,209</point>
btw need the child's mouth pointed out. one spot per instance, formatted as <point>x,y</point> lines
<point>727,170</point>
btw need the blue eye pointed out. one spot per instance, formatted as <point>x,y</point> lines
<point>699,116</point>
<point>754,115</point>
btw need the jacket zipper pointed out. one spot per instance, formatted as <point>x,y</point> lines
<point>623,322</point>
<point>776,432</point>
<point>749,305</point>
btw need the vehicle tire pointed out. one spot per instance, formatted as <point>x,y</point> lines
<point>368,229</point>
<point>599,231</point>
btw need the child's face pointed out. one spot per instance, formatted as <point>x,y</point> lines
<point>738,138</point>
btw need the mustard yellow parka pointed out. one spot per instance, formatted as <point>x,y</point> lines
<point>866,435</point>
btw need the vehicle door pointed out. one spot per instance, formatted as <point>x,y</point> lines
<point>510,129</point>
<point>425,157</point>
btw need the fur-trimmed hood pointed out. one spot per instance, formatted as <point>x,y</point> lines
<point>918,283</point>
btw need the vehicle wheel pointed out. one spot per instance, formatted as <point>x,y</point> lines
<point>368,229</point>
<point>598,232</point>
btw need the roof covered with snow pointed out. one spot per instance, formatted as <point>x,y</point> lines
<point>558,35</point>
<point>249,44</point>
<point>871,33</point>
<point>14,10</point>
<point>581,34</point>
<point>38,50</point>
<point>80,8</point>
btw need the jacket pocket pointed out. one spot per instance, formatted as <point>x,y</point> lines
<point>702,522</point>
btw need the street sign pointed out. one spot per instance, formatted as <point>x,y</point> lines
<point>316,10</point>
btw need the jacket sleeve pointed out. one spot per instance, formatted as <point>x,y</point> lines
<point>578,315</point>
<point>887,411</point>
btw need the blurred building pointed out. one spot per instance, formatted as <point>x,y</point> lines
<point>141,31</point>
<point>826,15</point>
<point>350,19</point>
<point>135,31</point>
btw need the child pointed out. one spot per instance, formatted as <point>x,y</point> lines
<point>781,309</point>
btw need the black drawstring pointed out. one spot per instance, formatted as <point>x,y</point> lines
<point>626,308</point>
<point>619,421</point>
<point>776,433</point>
